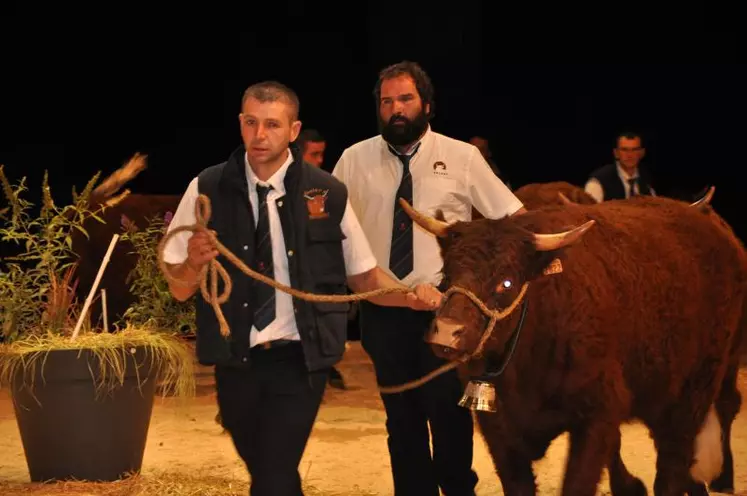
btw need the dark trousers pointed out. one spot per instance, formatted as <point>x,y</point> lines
<point>393,338</point>
<point>269,409</point>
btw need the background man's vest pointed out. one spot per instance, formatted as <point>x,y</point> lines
<point>613,186</point>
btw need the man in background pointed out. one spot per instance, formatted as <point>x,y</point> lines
<point>312,145</point>
<point>625,177</point>
<point>483,145</point>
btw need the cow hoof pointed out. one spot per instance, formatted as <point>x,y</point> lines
<point>721,486</point>
<point>633,487</point>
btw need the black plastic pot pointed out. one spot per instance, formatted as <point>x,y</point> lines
<point>69,430</point>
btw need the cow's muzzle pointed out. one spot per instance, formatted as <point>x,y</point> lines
<point>446,337</point>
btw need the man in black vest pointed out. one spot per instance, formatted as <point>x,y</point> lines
<point>624,178</point>
<point>292,222</point>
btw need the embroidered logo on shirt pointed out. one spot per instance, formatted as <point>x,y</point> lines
<point>439,168</point>
<point>316,203</point>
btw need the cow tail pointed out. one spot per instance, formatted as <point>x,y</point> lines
<point>709,456</point>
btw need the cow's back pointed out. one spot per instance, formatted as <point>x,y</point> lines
<point>654,288</point>
<point>537,195</point>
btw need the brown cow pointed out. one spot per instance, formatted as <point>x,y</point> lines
<point>537,195</point>
<point>138,209</point>
<point>644,321</point>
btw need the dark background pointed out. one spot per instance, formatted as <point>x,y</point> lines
<point>548,89</point>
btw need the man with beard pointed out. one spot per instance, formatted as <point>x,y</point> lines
<point>433,172</point>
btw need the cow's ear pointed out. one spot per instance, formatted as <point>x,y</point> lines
<point>546,263</point>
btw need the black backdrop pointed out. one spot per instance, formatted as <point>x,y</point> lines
<point>548,89</point>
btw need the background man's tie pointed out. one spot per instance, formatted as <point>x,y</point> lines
<point>631,183</point>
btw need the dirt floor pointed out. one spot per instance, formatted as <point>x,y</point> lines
<point>347,453</point>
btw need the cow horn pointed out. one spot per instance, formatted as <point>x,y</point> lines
<point>549,242</point>
<point>565,199</point>
<point>706,198</point>
<point>433,226</point>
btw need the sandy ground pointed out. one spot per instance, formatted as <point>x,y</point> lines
<point>347,452</point>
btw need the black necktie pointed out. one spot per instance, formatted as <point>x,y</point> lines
<point>264,294</point>
<point>400,255</point>
<point>631,183</point>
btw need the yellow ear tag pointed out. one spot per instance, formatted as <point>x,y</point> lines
<point>555,267</point>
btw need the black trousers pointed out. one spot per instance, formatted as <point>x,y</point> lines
<point>269,409</point>
<point>393,338</point>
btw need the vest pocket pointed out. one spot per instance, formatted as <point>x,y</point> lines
<point>332,325</point>
<point>325,255</point>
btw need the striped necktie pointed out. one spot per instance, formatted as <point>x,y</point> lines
<point>400,255</point>
<point>264,294</point>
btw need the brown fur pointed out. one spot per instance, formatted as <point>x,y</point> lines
<point>645,322</point>
<point>538,195</point>
<point>139,209</point>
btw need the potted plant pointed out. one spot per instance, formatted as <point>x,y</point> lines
<point>82,398</point>
<point>154,305</point>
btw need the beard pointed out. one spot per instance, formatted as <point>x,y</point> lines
<point>401,131</point>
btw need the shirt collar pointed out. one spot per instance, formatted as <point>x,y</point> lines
<point>624,175</point>
<point>277,180</point>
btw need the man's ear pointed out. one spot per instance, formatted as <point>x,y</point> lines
<point>295,130</point>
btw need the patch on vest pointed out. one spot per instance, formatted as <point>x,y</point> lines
<point>316,203</point>
<point>555,267</point>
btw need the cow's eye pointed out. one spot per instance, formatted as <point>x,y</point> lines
<point>504,286</point>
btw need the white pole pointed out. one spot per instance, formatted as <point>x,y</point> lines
<point>103,309</point>
<point>95,286</point>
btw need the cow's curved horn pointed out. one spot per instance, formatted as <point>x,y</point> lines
<point>565,199</point>
<point>549,242</point>
<point>433,226</point>
<point>706,198</point>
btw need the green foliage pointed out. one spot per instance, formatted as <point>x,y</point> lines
<point>154,306</point>
<point>36,294</point>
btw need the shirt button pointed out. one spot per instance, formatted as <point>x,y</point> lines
<point>243,359</point>
<point>290,253</point>
<point>246,304</point>
<point>246,247</point>
<point>280,203</point>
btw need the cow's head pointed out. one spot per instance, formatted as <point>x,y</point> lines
<point>493,259</point>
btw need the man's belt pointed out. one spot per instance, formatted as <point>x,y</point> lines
<point>275,343</point>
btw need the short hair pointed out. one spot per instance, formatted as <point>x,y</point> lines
<point>628,135</point>
<point>309,136</point>
<point>273,91</point>
<point>422,82</point>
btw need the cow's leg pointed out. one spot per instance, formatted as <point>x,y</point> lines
<point>727,406</point>
<point>675,439</point>
<point>591,447</point>
<point>622,482</point>
<point>513,466</point>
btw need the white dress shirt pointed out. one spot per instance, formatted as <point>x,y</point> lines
<point>357,252</point>
<point>447,174</point>
<point>594,188</point>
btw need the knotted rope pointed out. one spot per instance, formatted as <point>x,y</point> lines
<point>214,269</point>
